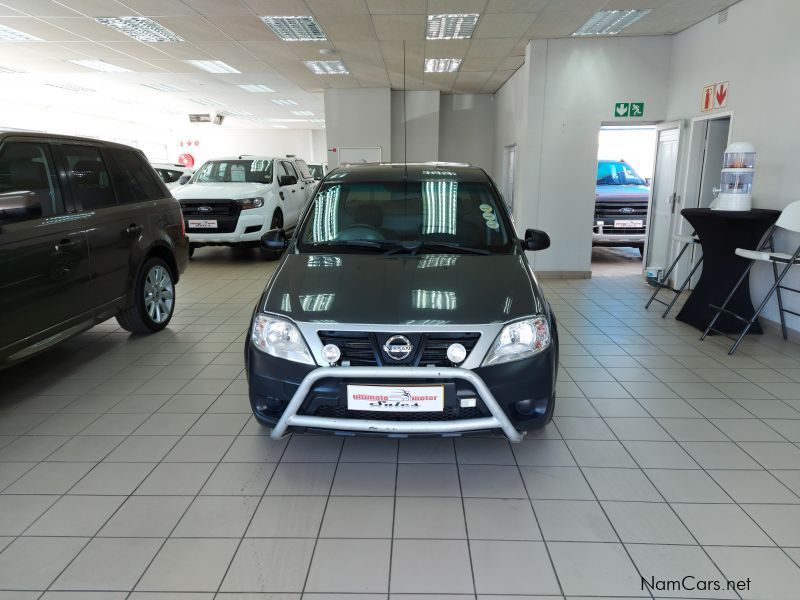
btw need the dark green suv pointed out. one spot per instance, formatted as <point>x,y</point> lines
<point>87,232</point>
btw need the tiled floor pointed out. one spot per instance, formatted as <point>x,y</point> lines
<point>130,468</point>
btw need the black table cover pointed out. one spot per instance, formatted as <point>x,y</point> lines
<point>721,232</point>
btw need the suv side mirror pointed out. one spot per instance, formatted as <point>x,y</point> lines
<point>20,206</point>
<point>287,180</point>
<point>274,239</point>
<point>535,239</point>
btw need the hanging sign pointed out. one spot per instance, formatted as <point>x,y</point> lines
<point>629,109</point>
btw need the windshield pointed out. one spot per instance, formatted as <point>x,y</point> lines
<point>235,171</point>
<point>442,216</point>
<point>617,173</point>
<point>316,171</point>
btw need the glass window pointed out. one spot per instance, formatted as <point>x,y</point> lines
<point>168,175</point>
<point>316,171</point>
<point>444,211</point>
<point>132,177</point>
<point>28,188</point>
<point>87,177</point>
<point>289,167</point>
<point>227,171</point>
<point>617,173</point>
<point>303,168</point>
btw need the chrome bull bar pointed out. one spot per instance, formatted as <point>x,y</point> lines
<point>497,420</point>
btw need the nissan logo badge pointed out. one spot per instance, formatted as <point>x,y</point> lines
<point>398,347</point>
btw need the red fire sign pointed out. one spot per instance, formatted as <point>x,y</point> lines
<point>187,160</point>
<point>721,95</point>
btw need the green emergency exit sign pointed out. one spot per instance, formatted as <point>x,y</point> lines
<point>629,109</point>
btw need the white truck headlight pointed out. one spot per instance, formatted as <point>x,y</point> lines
<point>280,338</point>
<point>251,203</point>
<point>518,340</point>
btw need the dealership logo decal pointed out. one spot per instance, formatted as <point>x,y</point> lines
<point>398,347</point>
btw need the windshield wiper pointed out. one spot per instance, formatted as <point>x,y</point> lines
<point>413,247</point>
<point>366,244</point>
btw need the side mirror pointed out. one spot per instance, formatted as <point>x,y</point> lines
<point>287,180</point>
<point>535,239</point>
<point>648,181</point>
<point>274,239</point>
<point>20,206</point>
<point>184,179</point>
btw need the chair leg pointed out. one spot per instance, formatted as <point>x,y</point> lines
<point>761,306</point>
<point>780,298</point>
<point>728,299</point>
<point>665,276</point>
<point>683,287</point>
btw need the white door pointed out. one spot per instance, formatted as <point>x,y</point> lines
<point>662,196</point>
<point>714,151</point>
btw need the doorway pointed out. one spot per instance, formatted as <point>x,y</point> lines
<point>625,168</point>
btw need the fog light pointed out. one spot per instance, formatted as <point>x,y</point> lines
<point>456,353</point>
<point>331,353</point>
<point>525,407</point>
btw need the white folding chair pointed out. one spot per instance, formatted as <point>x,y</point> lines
<point>663,283</point>
<point>790,221</point>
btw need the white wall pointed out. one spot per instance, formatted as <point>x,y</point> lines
<point>571,87</point>
<point>215,141</point>
<point>421,127</point>
<point>510,115</point>
<point>319,147</point>
<point>358,117</point>
<point>466,129</point>
<point>763,93</point>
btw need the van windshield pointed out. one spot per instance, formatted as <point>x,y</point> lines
<point>611,172</point>
<point>235,171</point>
<point>415,216</point>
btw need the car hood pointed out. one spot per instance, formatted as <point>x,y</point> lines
<point>202,191</point>
<point>428,289</point>
<point>623,192</point>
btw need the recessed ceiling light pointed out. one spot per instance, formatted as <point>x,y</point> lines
<point>303,113</point>
<point>610,22</point>
<point>316,120</point>
<point>70,87</point>
<point>9,70</point>
<point>452,26</point>
<point>442,65</point>
<point>256,88</point>
<point>213,66</point>
<point>295,29</point>
<point>327,67</point>
<point>140,28</point>
<point>284,102</point>
<point>163,87</point>
<point>7,34</point>
<point>98,65</point>
<point>200,118</point>
<point>207,102</point>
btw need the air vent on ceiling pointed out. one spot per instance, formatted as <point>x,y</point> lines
<point>200,118</point>
<point>219,118</point>
<point>722,16</point>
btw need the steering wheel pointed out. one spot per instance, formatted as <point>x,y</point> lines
<point>359,231</point>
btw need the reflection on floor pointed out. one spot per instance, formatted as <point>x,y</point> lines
<point>616,261</point>
<point>133,464</point>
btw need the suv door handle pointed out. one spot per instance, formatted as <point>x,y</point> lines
<point>134,229</point>
<point>65,244</point>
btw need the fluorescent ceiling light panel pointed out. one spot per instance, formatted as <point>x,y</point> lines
<point>200,118</point>
<point>327,67</point>
<point>141,29</point>
<point>70,87</point>
<point>163,87</point>
<point>207,102</point>
<point>98,65</point>
<point>451,27</point>
<point>9,70</point>
<point>256,88</point>
<point>7,34</point>
<point>236,112</point>
<point>284,102</point>
<point>295,29</point>
<point>610,22</point>
<point>442,65</point>
<point>303,113</point>
<point>281,126</point>
<point>213,66</point>
<point>316,120</point>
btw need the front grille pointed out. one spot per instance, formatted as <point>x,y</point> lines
<point>225,212</point>
<point>448,414</point>
<point>611,209</point>
<point>622,230</point>
<point>365,349</point>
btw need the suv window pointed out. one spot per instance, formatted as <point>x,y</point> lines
<point>168,175</point>
<point>28,187</point>
<point>132,177</point>
<point>87,176</point>
<point>289,168</point>
<point>303,167</point>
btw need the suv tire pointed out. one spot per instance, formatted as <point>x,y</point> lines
<point>154,291</point>
<point>277,223</point>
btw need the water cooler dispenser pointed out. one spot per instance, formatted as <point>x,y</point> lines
<point>736,180</point>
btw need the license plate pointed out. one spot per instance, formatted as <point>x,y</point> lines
<point>400,398</point>
<point>629,223</point>
<point>202,224</point>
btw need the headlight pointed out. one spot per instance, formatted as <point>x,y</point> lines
<point>280,338</point>
<point>518,340</point>
<point>251,203</point>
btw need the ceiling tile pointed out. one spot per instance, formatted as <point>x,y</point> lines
<point>590,6</point>
<point>633,4</point>
<point>436,7</point>
<point>270,51</point>
<point>491,47</point>
<point>158,8</point>
<point>193,29</point>
<point>37,8</point>
<point>507,25</point>
<point>277,7</point>
<point>181,50</point>
<point>369,49</point>
<point>174,66</point>
<point>480,64</point>
<point>347,27</point>
<point>249,29</point>
<point>319,7</point>
<point>446,48</point>
<point>395,7</point>
<point>97,8</point>
<point>515,6</point>
<point>38,28</point>
<point>44,49</point>
<point>393,49</point>
<point>88,28</point>
<point>310,50</point>
<point>557,24</point>
<point>138,50</point>
<point>399,27</point>
<point>215,7</point>
<point>228,52</point>
<point>511,63</point>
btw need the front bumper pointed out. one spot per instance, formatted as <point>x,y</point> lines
<point>249,229</point>
<point>607,235</point>
<point>511,398</point>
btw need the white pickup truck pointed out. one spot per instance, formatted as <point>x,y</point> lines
<point>233,201</point>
